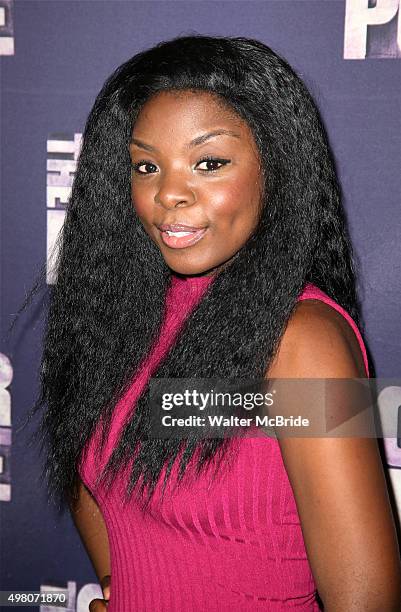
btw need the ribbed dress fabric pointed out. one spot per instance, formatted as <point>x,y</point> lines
<point>230,546</point>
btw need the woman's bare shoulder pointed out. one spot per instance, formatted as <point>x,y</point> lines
<point>318,342</point>
<point>338,482</point>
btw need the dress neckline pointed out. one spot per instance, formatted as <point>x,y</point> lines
<point>184,291</point>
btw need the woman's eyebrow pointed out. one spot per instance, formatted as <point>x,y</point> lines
<point>194,143</point>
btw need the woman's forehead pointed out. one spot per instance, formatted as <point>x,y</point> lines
<point>187,112</point>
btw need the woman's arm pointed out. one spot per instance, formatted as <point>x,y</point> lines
<point>338,483</point>
<point>91,526</point>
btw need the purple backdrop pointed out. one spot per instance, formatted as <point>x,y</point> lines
<point>55,57</point>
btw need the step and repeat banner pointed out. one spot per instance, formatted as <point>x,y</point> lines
<point>54,57</point>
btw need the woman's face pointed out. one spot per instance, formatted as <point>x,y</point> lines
<point>173,185</point>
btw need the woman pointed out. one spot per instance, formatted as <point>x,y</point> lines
<point>205,238</point>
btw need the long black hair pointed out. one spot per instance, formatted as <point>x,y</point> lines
<point>106,307</point>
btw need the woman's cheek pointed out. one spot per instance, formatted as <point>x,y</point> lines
<point>226,200</point>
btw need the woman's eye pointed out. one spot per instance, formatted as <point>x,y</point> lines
<point>212,164</point>
<point>141,163</point>
<point>212,161</point>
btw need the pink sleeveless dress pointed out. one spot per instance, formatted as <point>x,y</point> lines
<point>234,546</point>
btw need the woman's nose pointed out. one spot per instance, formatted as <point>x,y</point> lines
<point>175,193</point>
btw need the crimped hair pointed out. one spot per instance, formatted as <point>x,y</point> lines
<point>107,305</point>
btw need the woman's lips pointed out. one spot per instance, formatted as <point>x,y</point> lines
<point>181,239</point>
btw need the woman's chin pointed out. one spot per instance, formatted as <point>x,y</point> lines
<point>199,268</point>
<point>195,269</point>
<point>191,271</point>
